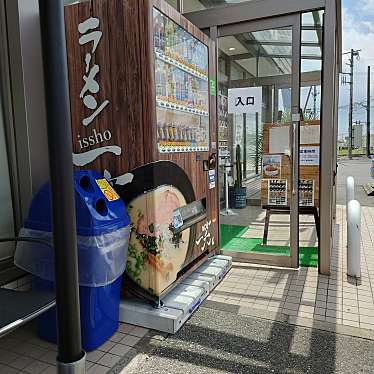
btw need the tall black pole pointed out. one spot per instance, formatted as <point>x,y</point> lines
<point>61,174</point>
<point>368,116</point>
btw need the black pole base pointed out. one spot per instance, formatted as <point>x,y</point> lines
<point>77,367</point>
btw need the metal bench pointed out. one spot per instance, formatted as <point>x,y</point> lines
<point>20,307</point>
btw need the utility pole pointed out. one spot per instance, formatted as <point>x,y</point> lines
<point>315,102</point>
<point>368,116</point>
<point>350,118</point>
<point>353,53</point>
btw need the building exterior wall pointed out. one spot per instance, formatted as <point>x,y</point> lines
<point>24,119</point>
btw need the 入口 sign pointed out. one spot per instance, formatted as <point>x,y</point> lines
<point>245,100</point>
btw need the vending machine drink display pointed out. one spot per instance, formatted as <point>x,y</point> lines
<point>143,104</point>
<point>181,74</point>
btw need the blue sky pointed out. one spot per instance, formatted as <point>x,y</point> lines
<point>358,33</point>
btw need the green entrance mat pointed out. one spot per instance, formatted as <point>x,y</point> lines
<point>232,240</point>
<point>230,232</point>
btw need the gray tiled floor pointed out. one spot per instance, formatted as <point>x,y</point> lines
<point>22,352</point>
<point>304,293</point>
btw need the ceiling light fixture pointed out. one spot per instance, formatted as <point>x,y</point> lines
<point>232,49</point>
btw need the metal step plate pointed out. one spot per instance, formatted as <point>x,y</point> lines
<point>142,314</point>
<point>201,283</point>
<point>184,297</point>
<point>186,289</point>
<point>219,263</point>
<point>211,279</point>
<point>217,272</point>
<point>182,301</point>
<point>222,257</point>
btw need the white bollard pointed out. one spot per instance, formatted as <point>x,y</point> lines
<point>354,239</point>
<point>350,189</point>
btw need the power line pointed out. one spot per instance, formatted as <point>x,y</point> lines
<point>358,105</point>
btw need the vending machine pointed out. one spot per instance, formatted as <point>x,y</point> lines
<point>143,105</point>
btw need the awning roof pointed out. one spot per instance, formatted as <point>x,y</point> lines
<point>275,45</point>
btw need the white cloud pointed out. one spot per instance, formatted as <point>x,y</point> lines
<point>358,34</point>
<point>368,7</point>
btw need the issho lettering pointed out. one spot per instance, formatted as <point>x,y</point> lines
<point>95,138</point>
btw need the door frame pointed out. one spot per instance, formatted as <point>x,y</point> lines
<point>209,19</point>
<point>293,21</point>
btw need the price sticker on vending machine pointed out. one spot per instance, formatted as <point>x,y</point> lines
<point>107,189</point>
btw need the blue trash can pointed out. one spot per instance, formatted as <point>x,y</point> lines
<point>103,229</point>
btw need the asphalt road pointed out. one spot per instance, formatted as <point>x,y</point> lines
<point>219,342</point>
<point>359,168</point>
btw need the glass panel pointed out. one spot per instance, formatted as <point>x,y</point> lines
<point>181,76</point>
<point>311,51</point>
<point>312,65</point>
<point>310,101</point>
<point>262,62</point>
<point>194,5</point>
<point>6,217</point>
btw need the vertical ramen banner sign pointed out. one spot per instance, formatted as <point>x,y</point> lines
<point>98,72</point>
<point>95,142</point>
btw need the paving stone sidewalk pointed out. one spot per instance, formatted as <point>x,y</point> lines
<point>305,293</point>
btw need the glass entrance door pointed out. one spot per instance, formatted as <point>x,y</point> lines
<point>258,85</point>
